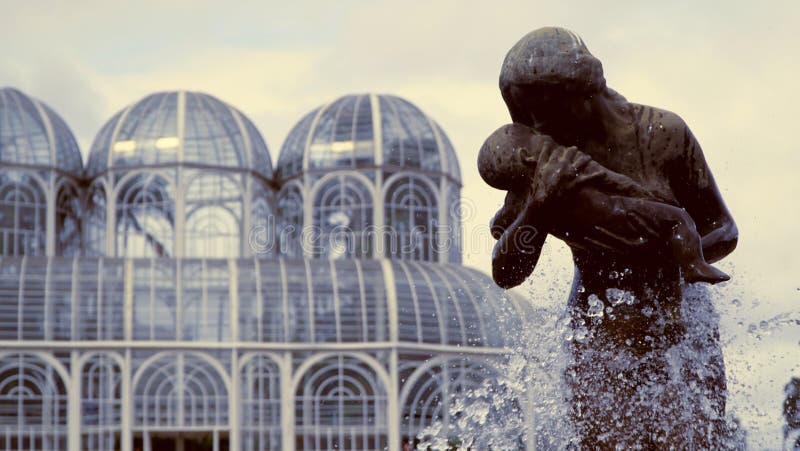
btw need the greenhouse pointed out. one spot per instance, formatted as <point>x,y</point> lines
<point>178,292</point>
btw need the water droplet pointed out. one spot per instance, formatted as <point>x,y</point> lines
<point>616,297</point>
<point>595,307</point>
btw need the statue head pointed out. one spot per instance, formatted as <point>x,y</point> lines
<point>547,77</point>
<point>507,159</point>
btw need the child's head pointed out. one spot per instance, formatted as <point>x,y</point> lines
<point>507,158</point>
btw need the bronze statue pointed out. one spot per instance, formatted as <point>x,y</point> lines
<point>599,199</point>
<point>626,186</point>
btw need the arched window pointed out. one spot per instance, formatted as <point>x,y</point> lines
<point>178,391</point>
<point>68,227</point>
<point>454,233</point>
<point>145,216</point>
<point>450,401</point>
<point>33,402</point>
<point>341,404</point>
<point>23,215</point>
<point>290,221</point>
<point>261,404</point>
<point>213,217</point>
<point>101,403</point>
<point>343,208</point>
<point>261,238</point>
<point>411,212</point>
<point>94,222</point>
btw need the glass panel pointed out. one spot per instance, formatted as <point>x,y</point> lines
<point>340,404</point>
<point>325,309</point>
<point>411,214</point>
<point>408,315</point>
<point>333,144</point>
<point>154,299</point>
<point>297,291</point>
<point>290,161</point>
<point>101,403</point>
<point>261,161</point>
<point>98,155</point>
<point>60,298</point>
<point>212,135</point>
<point>145,217</point>
<point>180,389</point>
<point>9,298</point>
<point>23,216</point>
<point>94,222</point>
<point>343,219</point>
<point>290,221</point>
<point>34,386</point>
<point>214,212</point>
<point>149,132</point>
<point>206,295</point>
<point>68,213</point>
<point>272,302</point>
<point>429,301</point>
<point>261,404</point>
<point>68,156</point>
<point>88,301</point>
<point>23,137</point>
<point>374,287</point>
<point>454,237</point>
<point>350,291</point>
<point>408,139</point>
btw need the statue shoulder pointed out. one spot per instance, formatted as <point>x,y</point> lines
<point>664,130</point>
<point>653,119</point>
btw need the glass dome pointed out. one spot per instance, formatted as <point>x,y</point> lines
<point>40,167</point>
<point>32,134</point>
<point>179,174</point>
<point>179,127</point>
<point>367,130</point>
<point>381,180</point>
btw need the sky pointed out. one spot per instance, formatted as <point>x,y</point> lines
<point>730,69</point>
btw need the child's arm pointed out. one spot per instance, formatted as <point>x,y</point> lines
<point>598,176</point>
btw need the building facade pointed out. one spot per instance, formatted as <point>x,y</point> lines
<point>178,292</point>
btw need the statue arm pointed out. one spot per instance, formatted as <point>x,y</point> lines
<point>523,223</point>
<point>696,191</point>
<point>613,182</point>
<point>519,244</point>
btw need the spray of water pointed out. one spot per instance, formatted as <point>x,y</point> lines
<point>525,402</point>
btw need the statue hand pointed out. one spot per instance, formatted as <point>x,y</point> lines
<point>557,172</point>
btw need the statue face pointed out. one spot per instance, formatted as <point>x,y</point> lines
<point>557,110</point>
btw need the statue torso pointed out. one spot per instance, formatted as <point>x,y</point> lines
<point>642,151</point>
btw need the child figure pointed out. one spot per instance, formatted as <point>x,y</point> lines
<point>602,199</point>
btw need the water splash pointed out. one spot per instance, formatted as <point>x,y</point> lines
<point>525,404</point>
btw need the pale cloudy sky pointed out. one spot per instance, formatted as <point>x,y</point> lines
<point>730,69</point>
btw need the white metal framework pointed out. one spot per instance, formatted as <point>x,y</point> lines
<point>134,313</point>
<point>40,166</point>
<point>258,354</point>
<point>388,158</point>
<point>177,174</point>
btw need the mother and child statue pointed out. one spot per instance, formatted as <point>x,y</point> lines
<point>627,188</point>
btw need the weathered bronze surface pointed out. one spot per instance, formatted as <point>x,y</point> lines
<point>627,188</point>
